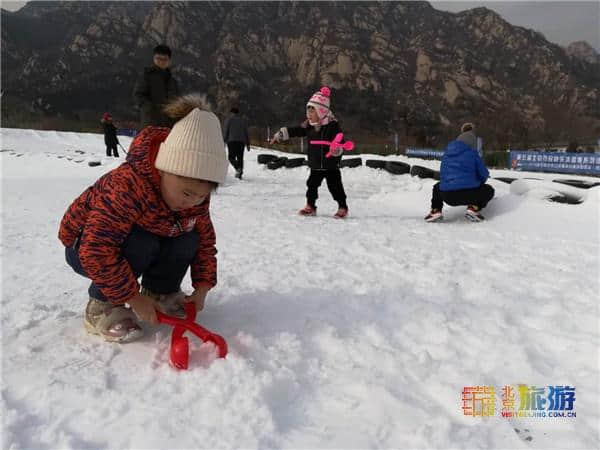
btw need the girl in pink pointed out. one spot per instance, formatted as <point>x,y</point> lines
<point>320,125</point>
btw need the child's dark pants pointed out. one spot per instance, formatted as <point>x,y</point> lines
<point>478,196</point>
<point>162,261</point>
<point>334,183</point>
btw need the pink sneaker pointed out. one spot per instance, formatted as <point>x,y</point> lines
<point>434,216</point>
<point>341,213</point>
<point>308,211</point>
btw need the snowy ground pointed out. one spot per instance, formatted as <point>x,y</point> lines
<point>359,333</point>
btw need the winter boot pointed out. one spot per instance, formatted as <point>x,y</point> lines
<point>308,210</point>
<point>114,323</point>
<point>473,214</point>
<point>238,174</point>
<point>435,215</point>
<point>171,304</point>
<point>341,213</point>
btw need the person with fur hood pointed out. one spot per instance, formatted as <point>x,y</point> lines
<point>149,218</point>
<point>320,125</point>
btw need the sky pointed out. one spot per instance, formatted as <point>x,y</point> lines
<point>561,22</point>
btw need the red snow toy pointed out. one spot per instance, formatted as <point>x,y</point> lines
<point>179,344</point>
<point>335,144</point>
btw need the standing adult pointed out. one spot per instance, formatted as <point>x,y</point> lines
<point>110,135</point>
<point>235,135</point>
<point>156,87</point>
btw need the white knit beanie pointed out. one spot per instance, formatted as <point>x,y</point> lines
<point>194,148</point>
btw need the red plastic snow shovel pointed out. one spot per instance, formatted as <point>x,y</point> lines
<point>180,344</point>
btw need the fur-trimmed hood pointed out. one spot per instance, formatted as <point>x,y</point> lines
<point>180,107</point>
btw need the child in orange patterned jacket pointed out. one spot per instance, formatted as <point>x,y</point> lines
<point>149,217</point>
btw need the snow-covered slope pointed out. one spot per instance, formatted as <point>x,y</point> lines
<point>359,333</point>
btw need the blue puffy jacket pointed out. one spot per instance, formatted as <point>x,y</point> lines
<point>462,168</point>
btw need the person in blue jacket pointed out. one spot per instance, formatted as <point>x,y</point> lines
<point>462,178</point>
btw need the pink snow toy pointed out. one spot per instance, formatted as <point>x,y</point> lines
<point>179,344</point>
<point>335,144</point>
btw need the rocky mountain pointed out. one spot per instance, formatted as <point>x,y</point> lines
<point>392,66</point>
<point>583,51</point>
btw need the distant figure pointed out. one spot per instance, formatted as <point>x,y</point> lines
<point>155,88</point>
<point>462,178</point>
<point>110,135</point>
<point>235,135</point>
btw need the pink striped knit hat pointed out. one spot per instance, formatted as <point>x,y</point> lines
<point>321,102</point>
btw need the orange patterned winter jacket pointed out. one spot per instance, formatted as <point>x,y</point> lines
<point>104,214</point>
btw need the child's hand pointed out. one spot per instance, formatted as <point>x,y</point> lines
<point>337,151</point>
<point>281,135</point>
<point>198,297</point>
<point>144,307</point>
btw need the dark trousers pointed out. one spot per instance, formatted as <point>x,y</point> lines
<point>236,155</point>
<point>113,148</point>
<point>478,196</point>
<point>334,183</point>
<point>162,261</point>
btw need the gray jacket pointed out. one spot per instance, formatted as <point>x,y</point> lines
<point>236,130</point>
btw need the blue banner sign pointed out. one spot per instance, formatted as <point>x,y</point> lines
<point>582,163</point>
<point>126,132</point>
<point>436,154</point>
<point>425,153</point>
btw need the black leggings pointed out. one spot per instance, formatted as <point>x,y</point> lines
<point>334,183</point>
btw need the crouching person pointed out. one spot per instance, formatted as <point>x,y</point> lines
<point>149,218</point>
<point>462,178</point>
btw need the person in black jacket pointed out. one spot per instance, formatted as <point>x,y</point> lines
<point>156,87</point>
<point>320,125</point>
<point>235,135</point>
<point>110,135</point>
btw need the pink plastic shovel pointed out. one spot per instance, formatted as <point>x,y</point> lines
<point>179,343</point>
<point>335,144</point>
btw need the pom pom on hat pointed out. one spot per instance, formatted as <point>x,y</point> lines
<point>321,102</point>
